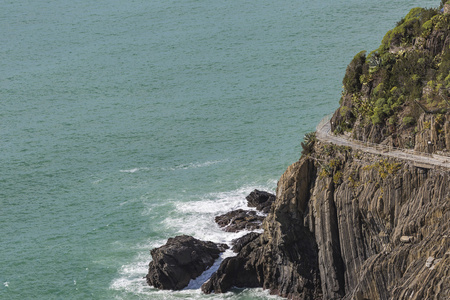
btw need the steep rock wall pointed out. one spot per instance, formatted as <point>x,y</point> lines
<point>351,225</point>
<point>371,203</point>
<point>362,205</point>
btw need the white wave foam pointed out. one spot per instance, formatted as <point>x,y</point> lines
<point>196,283</point>
<point>194,165</point>
<point>134,170</point>
<point>196,218</point>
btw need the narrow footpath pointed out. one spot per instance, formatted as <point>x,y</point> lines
<point>419,159</point>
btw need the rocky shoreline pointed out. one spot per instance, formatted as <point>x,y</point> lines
<point>344,225</point>
<point>184,258</point>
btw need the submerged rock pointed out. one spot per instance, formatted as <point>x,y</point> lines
<point>181,259</point>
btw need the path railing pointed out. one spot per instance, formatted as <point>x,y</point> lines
<point>323,131</point>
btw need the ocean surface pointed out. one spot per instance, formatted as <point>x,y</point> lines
<point>124,123</point>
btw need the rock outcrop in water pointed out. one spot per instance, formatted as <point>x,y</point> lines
<point>261,200</point>
<point>184,258</point>
<point>240,219</point>
<point>181,259</point>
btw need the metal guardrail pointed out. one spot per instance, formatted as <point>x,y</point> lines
<point>380,148</point>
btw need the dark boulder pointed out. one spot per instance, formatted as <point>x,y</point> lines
<point>261,200</point>
<point>240,219</point>
<point>232,272</point>
<point>238,271</point>
<point>181,259</point>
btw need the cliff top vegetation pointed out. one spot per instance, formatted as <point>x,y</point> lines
<point>386,92</point>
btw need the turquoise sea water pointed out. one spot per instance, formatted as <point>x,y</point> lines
<point>124,123</point>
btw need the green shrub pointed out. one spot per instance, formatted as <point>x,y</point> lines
<point>411,26</point>
<point>308,143</point>
<point>409,121</point>
<point>337,177</point>
<point>355,69</point>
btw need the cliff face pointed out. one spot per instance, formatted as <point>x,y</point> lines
<point>376,222</point>
<point>350,225</point>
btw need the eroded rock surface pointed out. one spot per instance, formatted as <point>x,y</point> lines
<point>240,219</point>
<point>241,242</point>
<point>181,259</point>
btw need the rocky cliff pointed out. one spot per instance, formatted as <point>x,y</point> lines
<point>350,225</point>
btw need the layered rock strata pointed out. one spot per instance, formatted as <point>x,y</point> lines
<point>350,225</point>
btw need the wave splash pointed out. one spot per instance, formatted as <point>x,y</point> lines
<point>196,218</point>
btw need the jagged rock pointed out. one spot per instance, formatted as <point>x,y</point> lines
<point>240,219</point>
<point>261,200</point>
<point>232,272</point>
<point>181,259</point>
<point>241,242</point>
<point>406,239</point>
<point>429,261</point>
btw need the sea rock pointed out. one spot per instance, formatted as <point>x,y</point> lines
<point>240,219</point>
<point>261,200</point>
<point>181,259</point>
<point>284,258</point>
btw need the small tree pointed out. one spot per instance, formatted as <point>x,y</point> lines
<point>308,143</point>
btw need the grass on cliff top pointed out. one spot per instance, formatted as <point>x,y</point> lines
<point>411,65</point>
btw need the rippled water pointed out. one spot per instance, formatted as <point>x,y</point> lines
<point>125,123</point>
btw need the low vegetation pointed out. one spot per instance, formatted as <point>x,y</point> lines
<point>408,73</point>
<point>384,168</point>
